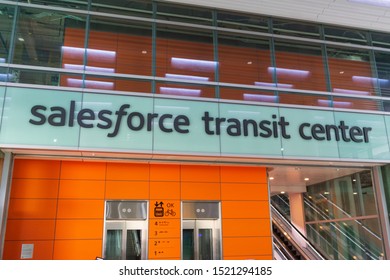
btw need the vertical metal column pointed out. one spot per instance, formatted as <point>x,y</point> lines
<point>5,187</point>
<point>382,209</point>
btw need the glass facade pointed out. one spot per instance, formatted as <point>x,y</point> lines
<point>342,219</point>
<point>148,47</point>
<point>159,48</point>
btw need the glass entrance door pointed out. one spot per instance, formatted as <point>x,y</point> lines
<point>201,240</point>
<point>125,240</point>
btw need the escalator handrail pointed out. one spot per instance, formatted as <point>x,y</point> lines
<point>312,251</point>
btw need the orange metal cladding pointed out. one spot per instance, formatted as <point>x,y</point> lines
<point>59,206</point>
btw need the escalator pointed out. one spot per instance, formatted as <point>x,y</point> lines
<point>289,243</point>
<point>284,246</point>
<point>326,239</point>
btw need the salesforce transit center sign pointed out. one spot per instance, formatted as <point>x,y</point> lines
<point>148,124</point>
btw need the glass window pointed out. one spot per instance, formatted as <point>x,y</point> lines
<point>344,197</point>
<point>245,94</point>
<point>380,39</point>
<point>79,4</point>
<point>357,103</point>
<point>349,200</point>
<point>123,7</point>
<point>184,14</point>
<point>185,90</point>
<point>345,35</point>
<point>185,55</point>
<point>386,185</point>
<point>244,60</point>
<point>297,29</point>
<point>351,72</point>
<point>347,240</point>
<point>188,244</point>
<point>6,20</point>
<point>382,61</point>
<point>36,77</point>
<point>242,22</point>
<point>115,47</point>
<point>292,98</point>
<point>119,46</point>
<point>42,36</point>
<point>298,66</point>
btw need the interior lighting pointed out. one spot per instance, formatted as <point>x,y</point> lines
<point>2,60</point>
<point>349,91</point>
<point>271,178</point>
<point>294,73</point>
<point>261,97</point>
<point>89,68</point>
<point>187,77</point>
<point>90,84</point>
<point>382,3</point>
<point>282,192</point>
<point>6,77</point>
<point>262,84</point>
<point>21,39</point>
<point>144,52</point>
<point>100,55</point>
<point>368,80</point>
<point>306,179</point>
<point>194,64</point>
<point>355,193</point>
<point>180,91</point>
<point>249,62</point>
<point>338,104</point>
<point>326,192</point>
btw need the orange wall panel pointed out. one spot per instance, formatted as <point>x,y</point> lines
<point>245,209</point>
<point>123,171</point>
<point>243,174</point>
<point>80,209</point>
<point>200,173</point>
<point>164,172</point>
<point>200,191</point>
<point>83,170</point>
<point>77,249</point>
<point>164,190</point>
<point>165,249</point>
<point>246,227</point>
<point>34,188</point>
<point>127,190</point>
<point>32,209</point>
<point>42,169</point>
<point>79,229</point>
<point>246,246</point>
<point>239,191</point>
<point>43,250</point>
<point>87,189</point>
<point>68,209</point>
<point>30,230</point>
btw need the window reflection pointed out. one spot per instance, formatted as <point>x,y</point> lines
<point>243,60</point>
<point>299,65</point>
<point>298,29</point>
<point>341,217</point>
<point>40,36</point>
<point>120,56</point>
<point>123,7</point>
